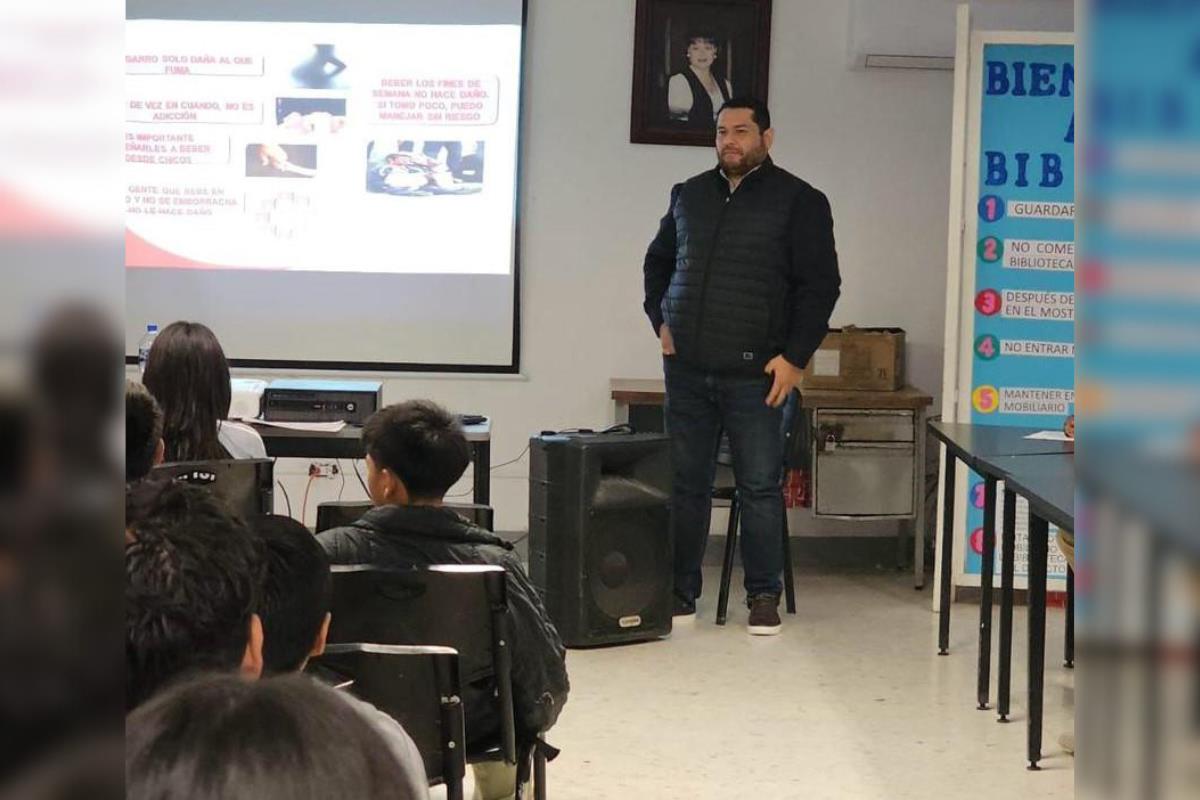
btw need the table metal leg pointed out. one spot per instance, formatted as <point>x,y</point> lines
<point>1008,547</point>
<point>1038,554</point>
<point>984,678</point>
<point>483,472</point>
<point>1069,635</point>
<point>947,574</point>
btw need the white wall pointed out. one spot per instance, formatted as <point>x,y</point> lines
<point>877,142</point>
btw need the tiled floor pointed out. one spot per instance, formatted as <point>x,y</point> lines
<point>850,701</point>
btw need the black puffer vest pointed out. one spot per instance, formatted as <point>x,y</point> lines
<point>727,304</point>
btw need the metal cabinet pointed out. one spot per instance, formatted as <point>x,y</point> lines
<point>864,463</point>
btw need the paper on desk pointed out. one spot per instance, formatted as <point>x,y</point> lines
<point>310,427</point>
<point>246,397</point>
<point>1050,436</point>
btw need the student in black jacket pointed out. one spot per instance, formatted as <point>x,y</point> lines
<point>739,285</point>
<point>415,452</point>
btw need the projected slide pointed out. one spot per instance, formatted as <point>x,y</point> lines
<point>321,147</point>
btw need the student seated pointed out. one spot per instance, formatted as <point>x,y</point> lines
<point>192,583</point>
<point>144,446</point>
<point>222,738</point>
<point>188,375</point>
<point>295,619</point>
<point>415,452</point>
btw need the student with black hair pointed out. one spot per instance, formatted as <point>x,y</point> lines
<point>188,375</point>
<point>192,583</point>
<point>222,738</point>
<point>296,593</point>
<point>294,608</point>
<point>415,452</point>
<point>144,446</point>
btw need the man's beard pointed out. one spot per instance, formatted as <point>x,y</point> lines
<point>745,164</point>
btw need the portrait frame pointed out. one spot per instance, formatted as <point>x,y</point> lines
<point>672,91</point>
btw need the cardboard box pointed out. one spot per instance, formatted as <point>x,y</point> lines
<point>869,359</point>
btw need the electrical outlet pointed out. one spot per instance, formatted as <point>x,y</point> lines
<point>325,469</point>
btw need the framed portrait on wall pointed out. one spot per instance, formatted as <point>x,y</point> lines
<point>689,57</point>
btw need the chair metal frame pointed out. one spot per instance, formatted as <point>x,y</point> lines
<point>447,690</point>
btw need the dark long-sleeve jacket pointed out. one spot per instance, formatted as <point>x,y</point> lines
<point>418,536</point>
<point>740,277</point>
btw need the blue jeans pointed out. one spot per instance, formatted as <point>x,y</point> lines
<point>699,405</point>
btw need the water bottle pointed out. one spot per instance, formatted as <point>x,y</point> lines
<point>144,347</point>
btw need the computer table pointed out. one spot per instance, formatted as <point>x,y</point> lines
<point>347,443</point>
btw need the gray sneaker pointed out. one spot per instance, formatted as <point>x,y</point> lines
<point>764,615</point>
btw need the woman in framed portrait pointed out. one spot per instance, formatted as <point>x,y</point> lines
<point>696,94</point>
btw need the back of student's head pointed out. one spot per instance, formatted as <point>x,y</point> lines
<point>296,591</point>
<point>222,738</point>
<point>192,577</point>
<point>421,443</point>
<point>187,373</point>
<point>143,431</point>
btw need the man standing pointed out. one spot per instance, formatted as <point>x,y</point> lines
<point>740,282</point>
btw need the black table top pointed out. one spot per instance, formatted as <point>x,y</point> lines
<point>1046,481</point>
<point>974,443</point>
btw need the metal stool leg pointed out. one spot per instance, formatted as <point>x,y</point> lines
<point>789,578</point>
<point>735,511</point>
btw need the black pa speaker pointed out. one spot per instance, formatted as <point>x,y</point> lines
<point>600,550</point>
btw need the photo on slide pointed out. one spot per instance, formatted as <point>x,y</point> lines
<point>320,68</point>
<point>266,160</point>
<point>283,214</point>
<point>415,168</point>
<point>313,116</point>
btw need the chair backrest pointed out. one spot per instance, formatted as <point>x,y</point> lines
<point>246,485</point>
<point>336,513</point>
<point>418,687</point>
<point>460,606</point>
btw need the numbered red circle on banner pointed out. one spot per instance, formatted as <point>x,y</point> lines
<point>977,540</point>
<point>988,302</point>
<point>987,347</point>
<point>991,207</point>
<point>977,495</point>
<point>985,399</point>
<point>991,249</point>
